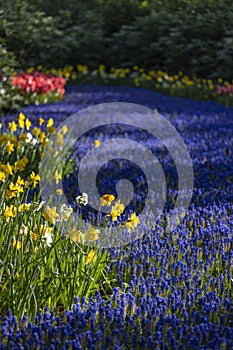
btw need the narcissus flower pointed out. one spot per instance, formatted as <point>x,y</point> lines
<point>57,177</point>
<point>92,234</point>
<point>21,119</point>
<point>41,121</point>
<point>117,210</point>
<point>106,199</point>
<point>75,235</point>
<point>12,126</point>
<point>10,212</point>
<point>28,124</point>
<point>83,200</point>
<point>96,143</point>
<point>65,212</point>
<point>90,257</point>
<point>34,179</point>
<point>132,222</point>
<point>50,123</point>
<point>17,244</point>
<point>50,214</point>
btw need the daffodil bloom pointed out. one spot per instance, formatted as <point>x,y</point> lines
<point>51,129</point>
<point>42,137</point>
<point>50,214</point>
<point>106,199</point>
<point>59,191</point>
<point>34,179</point>
<point>8,169</point>
<point>65,212</point>
<point>10,194</point>
<point>20,181</point>
<point>17,188</point>
<point>75,235</point>
<point>64,129</point>
<point>44,229</point>
<point>92,234</point>
<point>91,257</point>
<point>117,210</point>
<point>2,176</point>
<point>21,164</point>
<point>50,123</point>
<point>132,222</point>
<point>33,235</point>
<point>10,212</point>
<point>28,124</point>
<point>17,244</point>
<point>82,199</point>
<point>36,131</point>
<point>23,230</point>
<point>47,238</point>
<point>57,177</point>
<point>41,121</point>
<point>21,119</point>
<point>9,148</point>
<point>96,143</point>
<point>60,140</point>
<point>23,207</point>
<point>23,137</point>
<point>12,126</point>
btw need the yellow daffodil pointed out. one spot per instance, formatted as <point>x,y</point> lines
<point>12,126</point>
<point>10,212</point>
<point>28,124</point>
<point>41,121</point>
<point>50,214</point>
<point>132,222</point>
<point>57,177</point>
<point>34,179</point>
<point>106,199</point>
<point>23,207</point>
<point>17,244</point>
<point>36,131</point>
<point>75,235</point>
<point>59,191</point>
<point>2,176</point>
<point>33,235</point>
<point>117,210</point>
<point>64,129</point>
<point>8,169</point>
<point>60,140</point>
<point>21,119</point>
<point>21,164</point>
<point>50,123</point>
<point>96,143</point>
<point>91,257</point>
<point>92,234</point>
<point>9,148</point>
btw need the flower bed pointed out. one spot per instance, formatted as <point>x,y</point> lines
<point>178,84</point>
<point>171,291</point>
<point>39,83</point>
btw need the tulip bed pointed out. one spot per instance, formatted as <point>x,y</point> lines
<point>164,290</point>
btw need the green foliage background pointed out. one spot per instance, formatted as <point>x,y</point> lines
<point>193,36</point>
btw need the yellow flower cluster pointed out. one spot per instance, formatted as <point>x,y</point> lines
<point>117,210</point>
<point>176,84</point>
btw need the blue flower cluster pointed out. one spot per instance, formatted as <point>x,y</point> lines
<point>172,290</point>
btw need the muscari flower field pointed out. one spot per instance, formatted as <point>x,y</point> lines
<point>162,291</point>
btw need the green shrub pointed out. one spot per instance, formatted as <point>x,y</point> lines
<point>195,37</point>
<point>9,95</point>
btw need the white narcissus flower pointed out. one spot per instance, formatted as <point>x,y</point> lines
<point>47,238</point>
<point>82,199</point>
<point>23,230</point>
<point>65,212</point>
<point>31,139</point>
